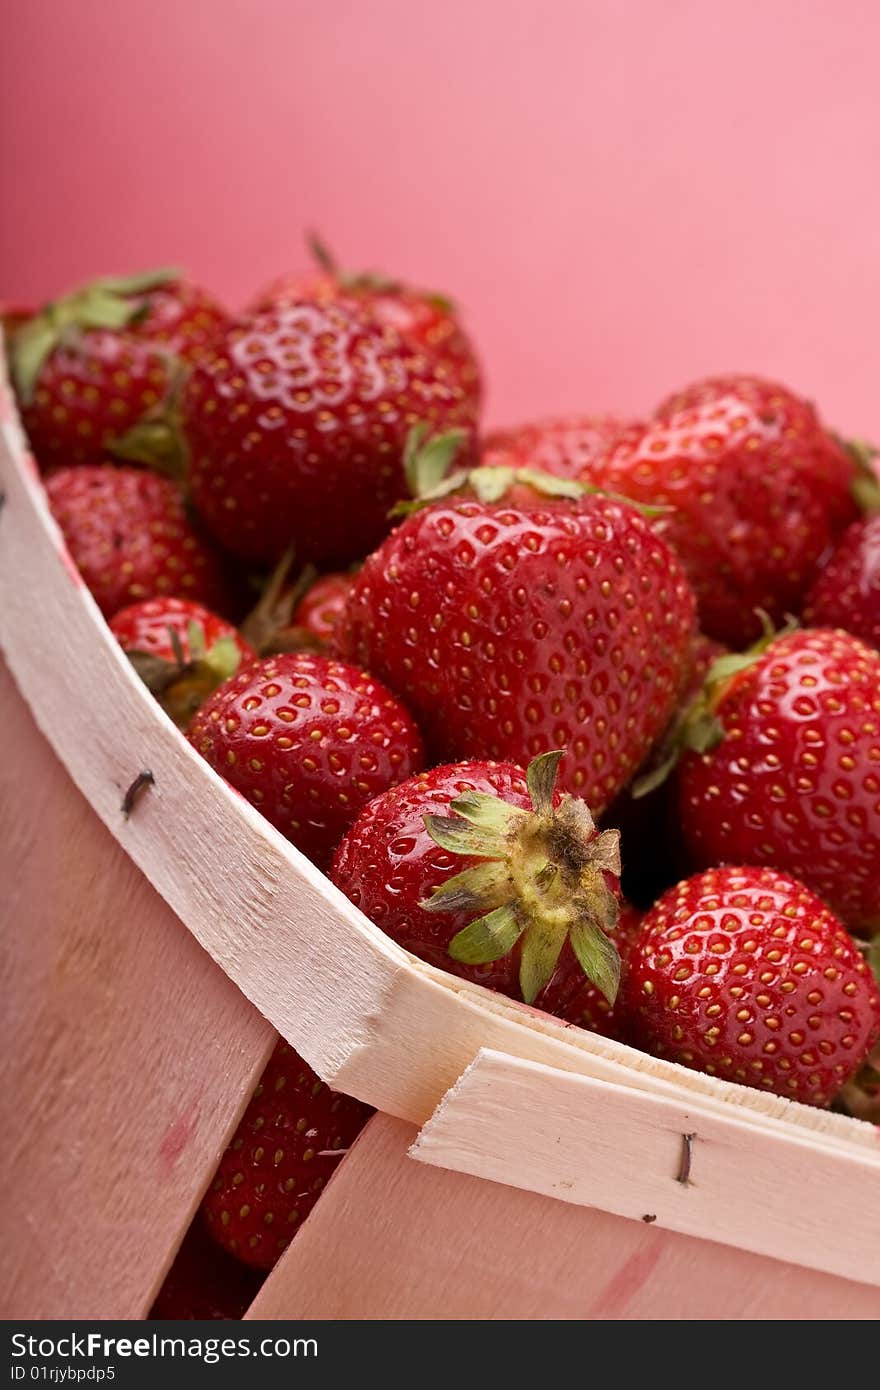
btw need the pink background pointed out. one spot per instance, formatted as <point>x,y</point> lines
<point>622,195</point>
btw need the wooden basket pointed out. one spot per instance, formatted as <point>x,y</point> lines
<point>520,1168</point>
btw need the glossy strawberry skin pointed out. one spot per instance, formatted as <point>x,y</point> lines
<point>308,740</point>
<point>129,534</point>
<point>319,613</point>
<point>145,626</point>
<point>296,428</point>
<point>795,780</point>
<point>846,593</point>
<point>514,630</point>
<point>289,1143</point>
<point>427,323</point>
<point>758,491</point>
<point>204,1282</point>
<point>588,1007</point>
<point>570,446</point>
<point>388,865</point>
<point>96,386</point>
<point>746,974</point>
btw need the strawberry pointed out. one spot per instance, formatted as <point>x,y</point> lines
<point>588,1007</point>
<point>130,536</point>
<point>846,593</point>
<point>789,774</point>
<point>568,446</point>
<point>319,613</point>
<point>288,1144</point>
<point>486,871</point>
<point>511,630</point>
<point>93,365</point>
<point>181,650</point>
<point>427,322</point>
<point>296,428</point>
<point>758,490</point>
<point>309,741</point>
<point>744,973</point>
<point>204,1282</point>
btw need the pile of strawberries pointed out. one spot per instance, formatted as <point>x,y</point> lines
<point>487,678</point>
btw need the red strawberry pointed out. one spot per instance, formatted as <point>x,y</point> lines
<point>511,630</point>
<point>744,973</point>
<point>758,489</point>
<point>93,365</point>
<point>130,536</point>
<point>319,613</point>
<point>847,592</point>
<point>297,426</point>
<point>309,741</point>
<point>589,1007</point>
<point>181,650</point>
<point>485,871</point>
<point>567,447</point>
<point>790,775</point>
<point>204,1282</point>
<point>428,323</point>
<point>289,1143</point>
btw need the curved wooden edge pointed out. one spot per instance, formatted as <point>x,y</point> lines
<point>720,1176</point>
<point>369,1018</point>
<point>395,1239</point>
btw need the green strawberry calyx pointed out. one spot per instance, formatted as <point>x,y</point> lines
<point>428,459</point>
<point>186,681</point>
<point>698,727</point>
<point>113,302</point>
<point>541,880</point>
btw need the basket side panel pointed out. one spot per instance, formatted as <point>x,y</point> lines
<point>126,1053</point>
<point>396,1239</point>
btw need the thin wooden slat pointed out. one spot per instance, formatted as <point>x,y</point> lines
<point>125,1053</point>
<point>573,1138</point>
<point>396,1239</point>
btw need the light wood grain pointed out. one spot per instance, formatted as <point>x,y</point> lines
<point>396,1239</point>
<point>125,1053</point>
<point>564,1136</point>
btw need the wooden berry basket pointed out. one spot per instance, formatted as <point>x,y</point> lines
<point>152,943</point>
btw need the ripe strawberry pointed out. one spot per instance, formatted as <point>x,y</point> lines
<point>744,973</point>
<point>309,741</point>
<point>510,630</point>
<point>846,593</point>
<point>589,1008</point>
<point>204,1282</point>
<point>758,490</point>
<point>130,536</point>
<point>790,775</point>
<point>485,871</point>
<point>319,613</point>
<point>567,447</point>
<point>427,322</point>
<point>181,650</point>
<point>296,428</point>
<point>289,1143</point>
<point>93,365</point>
